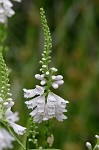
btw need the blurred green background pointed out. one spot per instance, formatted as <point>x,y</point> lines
<point>74,26</point>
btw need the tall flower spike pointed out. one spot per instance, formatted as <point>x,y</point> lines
<point>4,73</point>
<point>46,59</point>
<point>6,102</point>
<point>44,103</point>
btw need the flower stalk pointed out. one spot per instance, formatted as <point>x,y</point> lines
<point>45,104</point>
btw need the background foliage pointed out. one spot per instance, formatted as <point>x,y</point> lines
<point>74,26</point>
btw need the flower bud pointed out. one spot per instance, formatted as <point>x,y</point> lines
<point>54,69</point>
<point>43,82</point>
<point>55,85</point>
<point>47,73</point>
<point>97,136</point>
<point>89,146</point>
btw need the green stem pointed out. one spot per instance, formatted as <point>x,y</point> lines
<point>27,143</point>
<point>46,134</point>
<point>95,148</point>
<point>16,138</point>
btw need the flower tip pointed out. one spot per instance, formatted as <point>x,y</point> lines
<point>67,102</point>
<point>43,82</point>
<point>47,73</point>
<point>55,85</point>
<point>53,77</point>
<point>44,66</point>
<point>88,145</point>
<point>97,136</point>
<point>24,90</point>
<point>37,76</point>
<point>41,9</point>
<point>66,117</point>
<point>54,69</point>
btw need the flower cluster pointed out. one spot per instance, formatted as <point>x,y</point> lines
<point>5,139</point>
<point>6,10</point>
<point>42,109</point>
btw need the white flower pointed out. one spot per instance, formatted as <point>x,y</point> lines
<point>6,10</point>
<point>5,139</point>
<point>33,92</point>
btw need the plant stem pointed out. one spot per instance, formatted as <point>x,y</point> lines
<point>27,143</point>
<point>16,138</point>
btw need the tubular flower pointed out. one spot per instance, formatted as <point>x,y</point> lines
<point>6,10</point>
<point>5,139</point>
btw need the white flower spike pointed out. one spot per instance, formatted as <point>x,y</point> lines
<point>44,103</point>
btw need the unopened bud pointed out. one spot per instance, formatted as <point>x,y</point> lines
<point>89,146</point>
<point>97,136</point>
<point>47,73</point>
